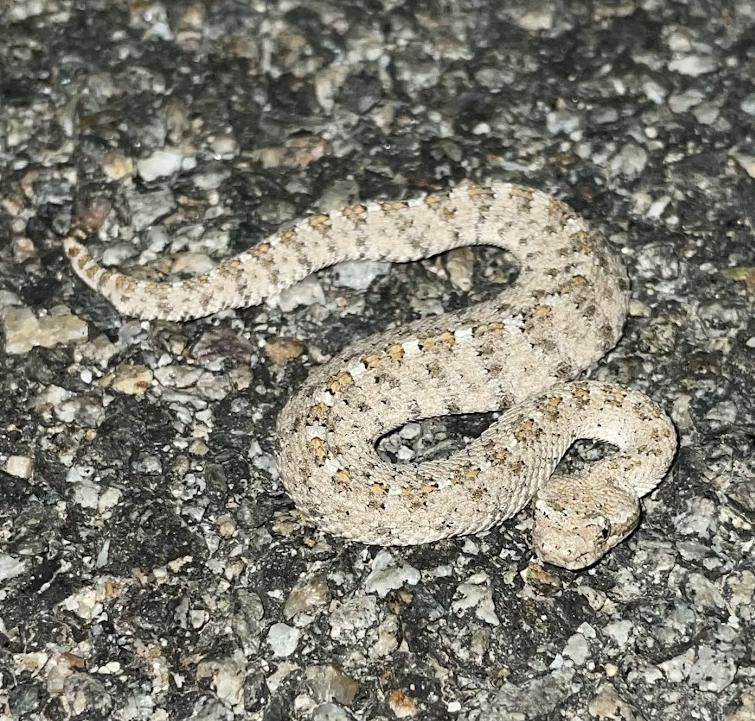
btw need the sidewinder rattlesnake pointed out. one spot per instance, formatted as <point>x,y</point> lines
<point>517,353</point>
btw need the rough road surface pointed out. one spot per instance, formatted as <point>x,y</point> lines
<point>152,566</point>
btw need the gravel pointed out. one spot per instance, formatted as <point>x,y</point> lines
<point>152,567</point>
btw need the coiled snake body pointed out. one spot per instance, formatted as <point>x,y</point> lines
<point>517,353</point>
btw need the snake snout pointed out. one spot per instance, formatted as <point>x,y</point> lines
<point>574,545</point>
<point>580,517</point>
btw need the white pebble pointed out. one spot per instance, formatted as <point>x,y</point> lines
<point>19,466</point>
<point>283,639</point>
<point>159,164</point>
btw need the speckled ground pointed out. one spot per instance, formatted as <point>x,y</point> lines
<point>151,566</point>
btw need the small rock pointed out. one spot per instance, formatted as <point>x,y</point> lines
<point>226,526</point>
<point>108,499</point>
<point>620,631</point>
<point>536,698</point>
<point>654,91</point>
<point>307,596</point>
<point>23,249</point>
<point>218,346</point>
<point>10,567</point>
<point>712,670</point>
<point>227,677</point>
<point>305,292</point>
<point>330,712</point>
<point>745,159</point>
<point>19,466</point>
<point>338,194</point>
<point>328,683</point>
<point>86,697</point>
<point>297,152</point>
<point>682,102</point>
<point>23,330</point>
<point>630,161</point>
<point>86,495</point>
<point>700,518</point>
<point>577,649</point>
<point>178,376</point>
<point>350,617</point>
<point>207,709</point>
<point>724,412</point>
<point>748,104</point>
<point>209,180</point>
<point>742,587</point>
<point>82,410</point>
<point>282,350</point>
<point>88,602</point>
<point>229,681</point>
<point>224,146</point>
<point>118,167</point>
<point>24,9</point>
<point>476,593</point>
<point>283,639</point>
<point>638,309</point>
<point>608,704</point>
<point>470,547</point>
<point>460,267</point>
<point>746,709</point>
<point>389,574</point>
<point>359,274</point>
<point>146,208</point>
<point>388,637</point>
<point>132,380</point>
<point>148,463</point>
<point>8,298</point>
<point>586,630</point>
<point>410,431</point>
<point>541,579</point>
<point>403,706</point>
<point>536,19</point>
<point>117,253</point>
<point>693,65</point>
<point>677,668</point>
<point>159,164</point>
<point>706,113</point>
<point>246,620</point>
<point>31,661</point>
<point>562,121</point>
<point>360,92</point>
<point>192,263</point>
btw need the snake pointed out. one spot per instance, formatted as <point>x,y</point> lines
<point>523,354</point>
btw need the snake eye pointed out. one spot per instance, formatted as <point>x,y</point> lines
<point>605,531</point>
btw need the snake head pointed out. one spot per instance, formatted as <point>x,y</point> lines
<point>579,518</point>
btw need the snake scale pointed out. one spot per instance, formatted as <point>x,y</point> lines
<point>517,353</point>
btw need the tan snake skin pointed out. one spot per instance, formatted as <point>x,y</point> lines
<point>515,353</point>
